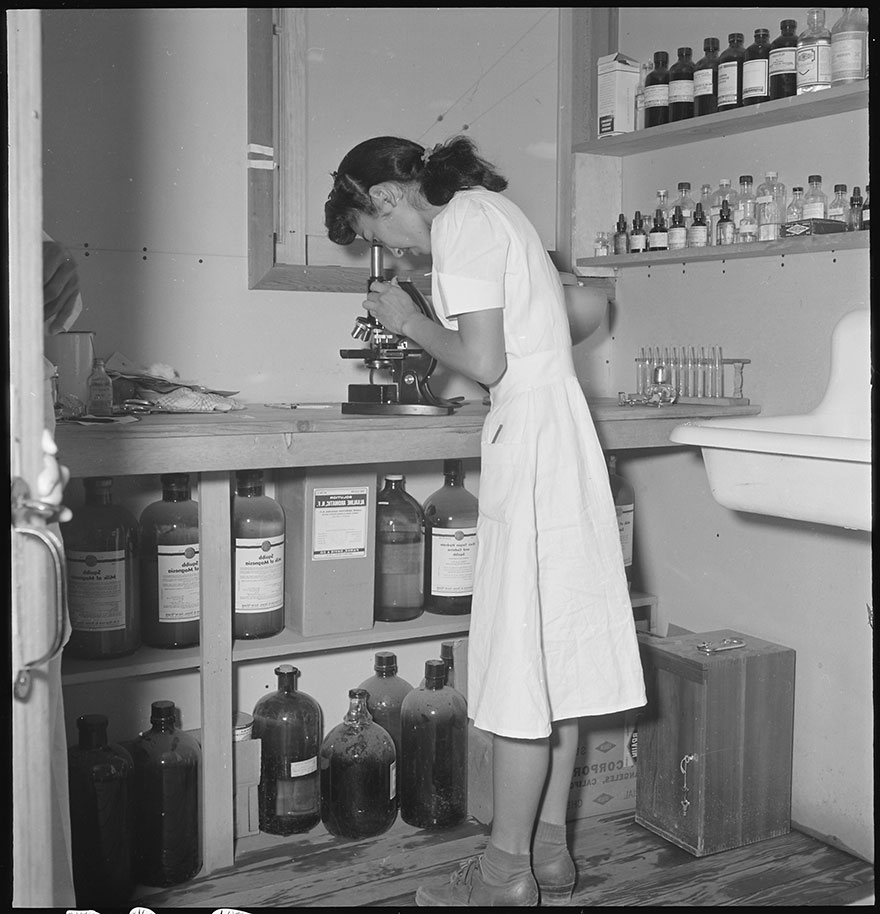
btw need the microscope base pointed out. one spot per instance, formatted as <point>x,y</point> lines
<point>397,409</point>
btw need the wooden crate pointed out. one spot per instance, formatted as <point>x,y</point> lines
<point>715,740</point>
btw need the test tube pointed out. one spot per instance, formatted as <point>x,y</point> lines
<point>719,372</point>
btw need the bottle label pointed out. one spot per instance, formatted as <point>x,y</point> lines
<point>703,82</point>
<point>303,767</point>
<point>677,238</point>
<point>259,574</point>
<point>726,232</point>
<point>681,91</point>
<point>178,583</point>
<point>728,74</point>
<point>698,236</point>
<point>452,561</point>
<point>392,780</point>
<point>658,241</point>
<point>657,96</point>
<point>783,62</point>
<point>625,515</point>
<point>814,210</point>
<point>339,527</point>
<point>813,65</point>
<point>96,590</point>
<point>637,243</point>
<point>756,79</point>
<point>848,55</point>
<point>837,212</point>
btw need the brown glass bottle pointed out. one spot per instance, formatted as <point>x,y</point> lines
<point>706,79</point>
<point>756,70</point>
<point>169,550</point>
<point>657,91</point>
<point>258,559</point>
<point>101,549</point>
<point>783,61</point>
<point>400,554</point>
<point>681,86</point>
<point>386,691</point>
<point>730,70</point>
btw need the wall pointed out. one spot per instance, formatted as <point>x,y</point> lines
<point>144,125</point>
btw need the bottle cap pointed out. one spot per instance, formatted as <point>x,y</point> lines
<point>446,650</point>
<point>815,179</point>
<point>840,188</point>
<point>856,191</point>
<point>385,661</point>
<point>435,673</point>
<point>248,476</point>
<point>711,44</point>
<point>161,710</point>
<point>761,33</point>
<point>394,478</point>
<point>725,182</point>
<point>771,174</point>
<point>661,58</point>
<point>286,668</point>
<point>736,37</point>
<point>684,185</point>
<point>796,190</point>
<point>788,25</point>
<point>745,179</point>
<point>685,52</point>
<point>175,479</point>
<point>358,693</point>
<point>452,467</point>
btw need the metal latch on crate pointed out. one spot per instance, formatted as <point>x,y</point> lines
<point>715,647</point>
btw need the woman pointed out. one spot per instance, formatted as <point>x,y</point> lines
<point>552,637</point>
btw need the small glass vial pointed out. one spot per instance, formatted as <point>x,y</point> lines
<point>866,211</point>
<point>677,234</point>
<point>725,231</point>
<point>638,237</point>
<point>856,218</point>
<point>814,54</point>
<point>745,217</point>
<point>100,390</point>
<point>838,207</point>
<point>601,247</point>
<point>698,230</point>
<point>815,201</point>
<point>621,236</point>
<point>794,212</point>
<point>658,237</point>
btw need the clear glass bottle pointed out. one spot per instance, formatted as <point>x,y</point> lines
<point>658,237</point>
<point>661,202</point>
<point>866,211</point>
<point>386,691</point>
<point>756,70</point>
<point>849,46</point>
<point>167,767</point>
<point>730,70</point>
<point>621,236</point>
<point>676,237</point>
<point>258,559</point>
<point>291,726</point>
<point>451,542</point>
<point>100,390</point>
<point>103,594</point>
<point>706,79</point>
<point>433,770</point>
<point>745,217</point>
<point>644,70</point>
<point>838,206</point>
<point>725,231</point>
<point>723,192</point>
<point>856,220</point>
<point>685,201</point>
<point>706,200</point>
<point>783,61</point>
<point>358,776</point>
<point>681,86</point>
<point>100,778</point>
<point>815,201</point>
<point>657,91</point>
<point>770,199</point>
<point>638,237</point>
<point>400,554</point>
<point>698,230</point>
<point>794,212</point>
<point>624,500</point>
<point>601,245</point>
<point>814,54</point>
<point>169,566</point>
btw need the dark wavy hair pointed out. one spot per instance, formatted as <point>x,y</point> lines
<point>450,167</point>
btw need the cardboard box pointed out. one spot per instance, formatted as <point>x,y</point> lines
<point>329,571</point>
<point>811,227</point>
<point>617,84</point>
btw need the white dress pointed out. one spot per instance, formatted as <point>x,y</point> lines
<point>552,633</point>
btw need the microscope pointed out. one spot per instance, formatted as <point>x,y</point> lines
<point>406,391</point>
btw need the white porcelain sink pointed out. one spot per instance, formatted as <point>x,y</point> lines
<point>812,467</point>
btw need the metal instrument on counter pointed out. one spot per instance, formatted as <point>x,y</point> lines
<point>406,390</point>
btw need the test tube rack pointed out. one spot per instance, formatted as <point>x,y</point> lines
<point>699,375</point>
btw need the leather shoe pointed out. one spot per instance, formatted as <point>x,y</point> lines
<point>467,888</point>
<point>556,879</point>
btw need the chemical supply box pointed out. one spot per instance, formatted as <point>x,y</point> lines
<point>812,227</point>
<point>618,81</point>
<point>715,740</point>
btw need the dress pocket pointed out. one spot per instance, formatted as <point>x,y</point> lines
<point>502,475</point>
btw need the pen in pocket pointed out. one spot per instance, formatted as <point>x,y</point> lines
<point>497,433</point>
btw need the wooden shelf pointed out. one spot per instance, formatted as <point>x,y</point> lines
<point>812,244</point>
<point>837,100</point>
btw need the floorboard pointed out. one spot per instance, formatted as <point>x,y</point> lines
<point>620,864</point>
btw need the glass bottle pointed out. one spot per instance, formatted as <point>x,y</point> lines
<point>258,559</point>
<point>745,217</point>
<point>101,549</point>
<point>657,91</point>
<point>638,238</point>
<point>624,499</point>
<point>400,554</point>
<point>447,655</point>
<point>100,778</point>
<point>698,231</point>
<point>433,774</point>
<point>856,220</point>
<point>838,207</point>
<point>756,70</point>
<point>723,192</point>
<point>685,201</point>
<point>644,70</point>
<point>661,202</point>
<point>681,87</point>
<point>849,46</point>
<point>725,231</point>
<point>358,777</point>
<point>291,726</point>
<point>167,764</point>
<point>706,79</point>
<point>814,54</point>
<point>451,541</point>
<point>658,237</point>
<point>676,237</point>
<point>169,566</point>
<point>794,212</point>
<point>706,200</point>
<point>385,693</point>
<point>601,247</point>
<point>730,72</point>
<point>621,238</point>
<point>770,200</point>
<point>100,390</point>
<point>866,211</point>
<point>815,201</point>
<point>783,61</point>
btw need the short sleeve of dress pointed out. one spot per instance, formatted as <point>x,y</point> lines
<point>470,246</point>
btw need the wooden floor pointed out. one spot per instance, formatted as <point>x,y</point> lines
<point>619,864</point>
